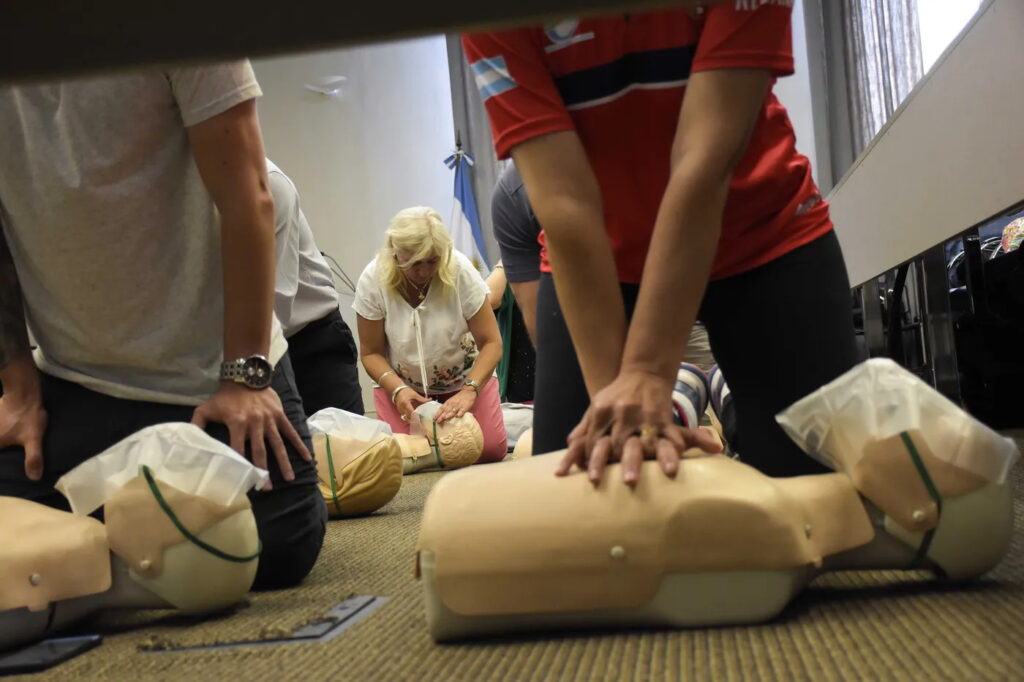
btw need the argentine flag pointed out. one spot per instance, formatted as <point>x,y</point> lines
<point>465,223</point>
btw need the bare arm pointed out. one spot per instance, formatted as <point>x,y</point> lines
<point>13,332</point>
<point>484,328</point>
<point>566,199</point>
<point>717,118</point>
<point>228,150</point>
<point>496,283</point>
<point>718,115</point>
<point>373,353</point>
<point>526,299</point>
<point>22,418</point>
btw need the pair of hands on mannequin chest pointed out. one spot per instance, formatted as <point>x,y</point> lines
<point>458,405</point>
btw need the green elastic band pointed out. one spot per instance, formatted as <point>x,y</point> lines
<point>184,531</point>
<point>922,470</point>
<point>437,448</point>
<point>330,467</point>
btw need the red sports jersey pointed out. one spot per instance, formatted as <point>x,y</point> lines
<point>619,83</point>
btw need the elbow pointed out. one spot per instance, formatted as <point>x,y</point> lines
<point>704,162</point>
<point>570,222</point>
<point>256,208</point>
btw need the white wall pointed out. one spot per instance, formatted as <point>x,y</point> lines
<point>359,158</point>
<point>795,91</point>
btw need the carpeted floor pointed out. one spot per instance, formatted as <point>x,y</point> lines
<point>852,626</point>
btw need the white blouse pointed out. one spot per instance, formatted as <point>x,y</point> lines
<point>432,338</point>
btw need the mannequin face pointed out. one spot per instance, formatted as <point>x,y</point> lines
<point>419,272</point>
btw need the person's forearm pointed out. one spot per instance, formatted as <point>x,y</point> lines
<point>247,246</point>
<point>486,361</point>
<point>18,372</point>
<point>526,298</point>
<point>587,284</point>
<point>678,265</point>
<point>376,364</point>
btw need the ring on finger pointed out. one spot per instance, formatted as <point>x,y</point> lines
<point>648,432</point>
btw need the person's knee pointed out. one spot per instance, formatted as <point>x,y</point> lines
<point>292,531</point>
<point>495,449</point>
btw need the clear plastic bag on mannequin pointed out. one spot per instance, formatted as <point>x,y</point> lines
<point>179,454</point>
<point>339,422</point>
<point>879,400</point>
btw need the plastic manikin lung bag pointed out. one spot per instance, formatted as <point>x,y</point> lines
<point>359,463</point>
<point>879,400</point>
<point>180,455</point>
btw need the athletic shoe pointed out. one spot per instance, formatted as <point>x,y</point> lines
<point>690,394</point>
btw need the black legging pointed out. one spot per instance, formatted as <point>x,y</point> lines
<point>778,332</point>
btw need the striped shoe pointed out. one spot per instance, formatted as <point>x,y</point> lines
<point>721,404</point>
<point>690,394</point>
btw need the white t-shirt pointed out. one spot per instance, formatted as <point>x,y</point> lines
<point>448,349</point>
<point>304,287</point>
<point>114,237</point>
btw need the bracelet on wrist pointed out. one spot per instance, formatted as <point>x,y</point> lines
<point>473,385</point>
<point>381,377</point>
<point>394,393</point>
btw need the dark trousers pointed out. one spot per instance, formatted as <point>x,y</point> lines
<point>779,332</point>
<point>324,357</point>
<point>82,423</point>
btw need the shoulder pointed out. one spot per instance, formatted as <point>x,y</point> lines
<point>368,278</point>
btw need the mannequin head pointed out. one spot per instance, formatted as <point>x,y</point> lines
<point>458,441</point>
<point>366,474</point>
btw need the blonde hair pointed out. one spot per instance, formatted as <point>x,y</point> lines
<point>419,230</point>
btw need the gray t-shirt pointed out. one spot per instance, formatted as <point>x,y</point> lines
<point>515,228</point>
<point>304,288</point>
<point>114,237</point>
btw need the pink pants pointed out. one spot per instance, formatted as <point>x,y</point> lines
<point>486,409</point>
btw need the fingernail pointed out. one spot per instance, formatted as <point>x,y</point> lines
<point>268,487</point>
<point>290,476</point>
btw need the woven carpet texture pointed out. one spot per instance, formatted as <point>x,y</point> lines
<point>852,626</point>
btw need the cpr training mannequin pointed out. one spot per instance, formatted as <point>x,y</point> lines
<point>919,484</point>
<point>456,443</point>
<point>358,462</point>
<point>178,533</point>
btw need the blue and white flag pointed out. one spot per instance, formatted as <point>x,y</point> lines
<point>465,223</point>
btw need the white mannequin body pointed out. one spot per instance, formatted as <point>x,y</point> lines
<point>651,545</point>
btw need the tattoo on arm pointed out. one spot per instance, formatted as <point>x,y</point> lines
<point>13,332</point>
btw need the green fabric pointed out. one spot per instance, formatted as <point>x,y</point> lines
<point>922,470</point>
<point>188,535</point>
<point>330,467</point>
<point>506,318</point>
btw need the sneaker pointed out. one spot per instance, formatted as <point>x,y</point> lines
<point>721,404</point>
<point>690,394</point>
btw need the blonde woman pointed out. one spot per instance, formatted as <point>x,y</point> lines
<point>425,331</point>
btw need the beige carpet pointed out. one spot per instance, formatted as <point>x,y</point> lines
<point>852,626</point>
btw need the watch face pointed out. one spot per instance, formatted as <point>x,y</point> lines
<point>257,372</point>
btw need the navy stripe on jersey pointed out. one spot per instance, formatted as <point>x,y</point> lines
<point>668,67</point>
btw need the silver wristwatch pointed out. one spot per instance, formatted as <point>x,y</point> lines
<point>254,371</point>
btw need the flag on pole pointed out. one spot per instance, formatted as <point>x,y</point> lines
<point>465,223</point>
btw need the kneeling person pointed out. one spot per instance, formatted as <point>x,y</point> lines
<point>141,255</point>
<point>320,344</point>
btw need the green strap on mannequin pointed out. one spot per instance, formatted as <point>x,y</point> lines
<point>188,535</point>
<point>929,485</point>
<point>330,469</point>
